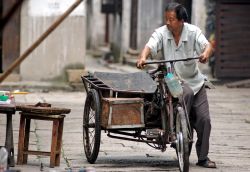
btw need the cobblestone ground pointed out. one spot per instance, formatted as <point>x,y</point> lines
<point>229,147</point>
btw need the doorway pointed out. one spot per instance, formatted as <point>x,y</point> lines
<point>9,33</point>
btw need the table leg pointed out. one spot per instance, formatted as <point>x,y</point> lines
<point>9,144</point>
<point>26,140</point>
<point>20,153</point>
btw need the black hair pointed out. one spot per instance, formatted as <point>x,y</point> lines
<point>180,10</point>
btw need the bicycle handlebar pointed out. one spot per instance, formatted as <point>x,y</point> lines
<point>169,61</point>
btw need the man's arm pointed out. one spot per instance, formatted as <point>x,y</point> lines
<point>208,52</point>
<point>152,47</point>
<point>143,57</point>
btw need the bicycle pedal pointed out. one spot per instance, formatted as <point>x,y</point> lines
<point>153,133</point>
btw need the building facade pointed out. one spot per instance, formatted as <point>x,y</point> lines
<point>131,27</point>
<point>65,46</point>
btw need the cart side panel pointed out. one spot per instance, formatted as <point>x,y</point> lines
<point>104,114</point>
<point>126,114</point>
<point>122,113</point>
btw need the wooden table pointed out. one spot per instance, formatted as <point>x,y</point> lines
<point>9,110</point>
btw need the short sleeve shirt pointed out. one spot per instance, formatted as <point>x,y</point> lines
<point>191,44</point>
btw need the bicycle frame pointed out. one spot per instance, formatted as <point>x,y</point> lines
<point>166,106</point>
<point>166,98</point>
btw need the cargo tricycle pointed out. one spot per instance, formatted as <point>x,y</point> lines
<point>136,107</point>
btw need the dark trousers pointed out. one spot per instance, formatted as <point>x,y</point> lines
<point>198,109</point>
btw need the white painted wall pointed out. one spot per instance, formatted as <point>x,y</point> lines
<point>199,14</point>
<point>150,17</point>
<point>99,24</point>
<point>126,18</point>
<point>64,46</point>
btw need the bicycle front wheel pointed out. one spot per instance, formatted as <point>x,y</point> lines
<point>91,126</point>
<point>182,143</point>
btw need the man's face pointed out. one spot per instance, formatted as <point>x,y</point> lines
<point>172,22</point>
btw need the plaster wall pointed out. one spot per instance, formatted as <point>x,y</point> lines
<point>150,16</point>
<point>64,46</point>
<point>126,19</point>
<point>199,14</point>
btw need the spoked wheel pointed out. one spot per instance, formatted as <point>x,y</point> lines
<point>182,143</point>
<point>92,126</point>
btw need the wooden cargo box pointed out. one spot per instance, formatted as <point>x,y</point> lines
<point>122,113</point>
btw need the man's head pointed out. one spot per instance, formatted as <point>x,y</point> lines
<point>175,16</point>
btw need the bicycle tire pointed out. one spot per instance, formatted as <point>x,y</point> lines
<point>182,142</point>
<point>92,126</point>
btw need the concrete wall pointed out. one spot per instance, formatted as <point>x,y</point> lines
<point>199,14</point>
<point>126,19</point>
<point>64,46</point>
<point>98,23</point>
<point>150,16</point>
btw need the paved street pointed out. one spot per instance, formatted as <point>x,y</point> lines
<point>230,137</point>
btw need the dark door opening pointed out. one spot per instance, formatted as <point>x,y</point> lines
<point>188,5</point>
<point>10,33</point>
<point>1,36</point>
<point>133,24</point>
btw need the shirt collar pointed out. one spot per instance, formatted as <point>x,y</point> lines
<point>184,34</point>
<point>169,35</point>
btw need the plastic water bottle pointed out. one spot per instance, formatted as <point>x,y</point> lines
<point>174,85</point>
<point>3,159</point>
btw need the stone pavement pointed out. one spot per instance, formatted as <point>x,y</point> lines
<point>230,137</point>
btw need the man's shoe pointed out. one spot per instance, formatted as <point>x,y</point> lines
<point>206,163</point>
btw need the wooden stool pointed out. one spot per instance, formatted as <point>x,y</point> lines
<point>57,132</point>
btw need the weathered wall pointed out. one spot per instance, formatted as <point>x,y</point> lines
<point>211,17</point>
<point>64,46</point>
<point>150,16</point>
<point>96,24</point>
<point>199,14</point>
<point>126,17</point>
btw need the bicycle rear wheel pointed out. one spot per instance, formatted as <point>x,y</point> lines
<point>91,126</point>
<point>182,143</point>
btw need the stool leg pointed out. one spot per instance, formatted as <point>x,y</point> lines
<point>26,140</point>
<point>21,140</point>
<point>54,142</point>
<point>59,142</point>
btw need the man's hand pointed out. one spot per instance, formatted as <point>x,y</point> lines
<point>140,62</point>
<point>203,58</point>
<point>206,54</point>
<point>143,57</point>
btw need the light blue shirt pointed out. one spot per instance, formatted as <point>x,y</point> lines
<point>191,44</point>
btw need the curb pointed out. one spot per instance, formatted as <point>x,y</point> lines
<point>33,86</point>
